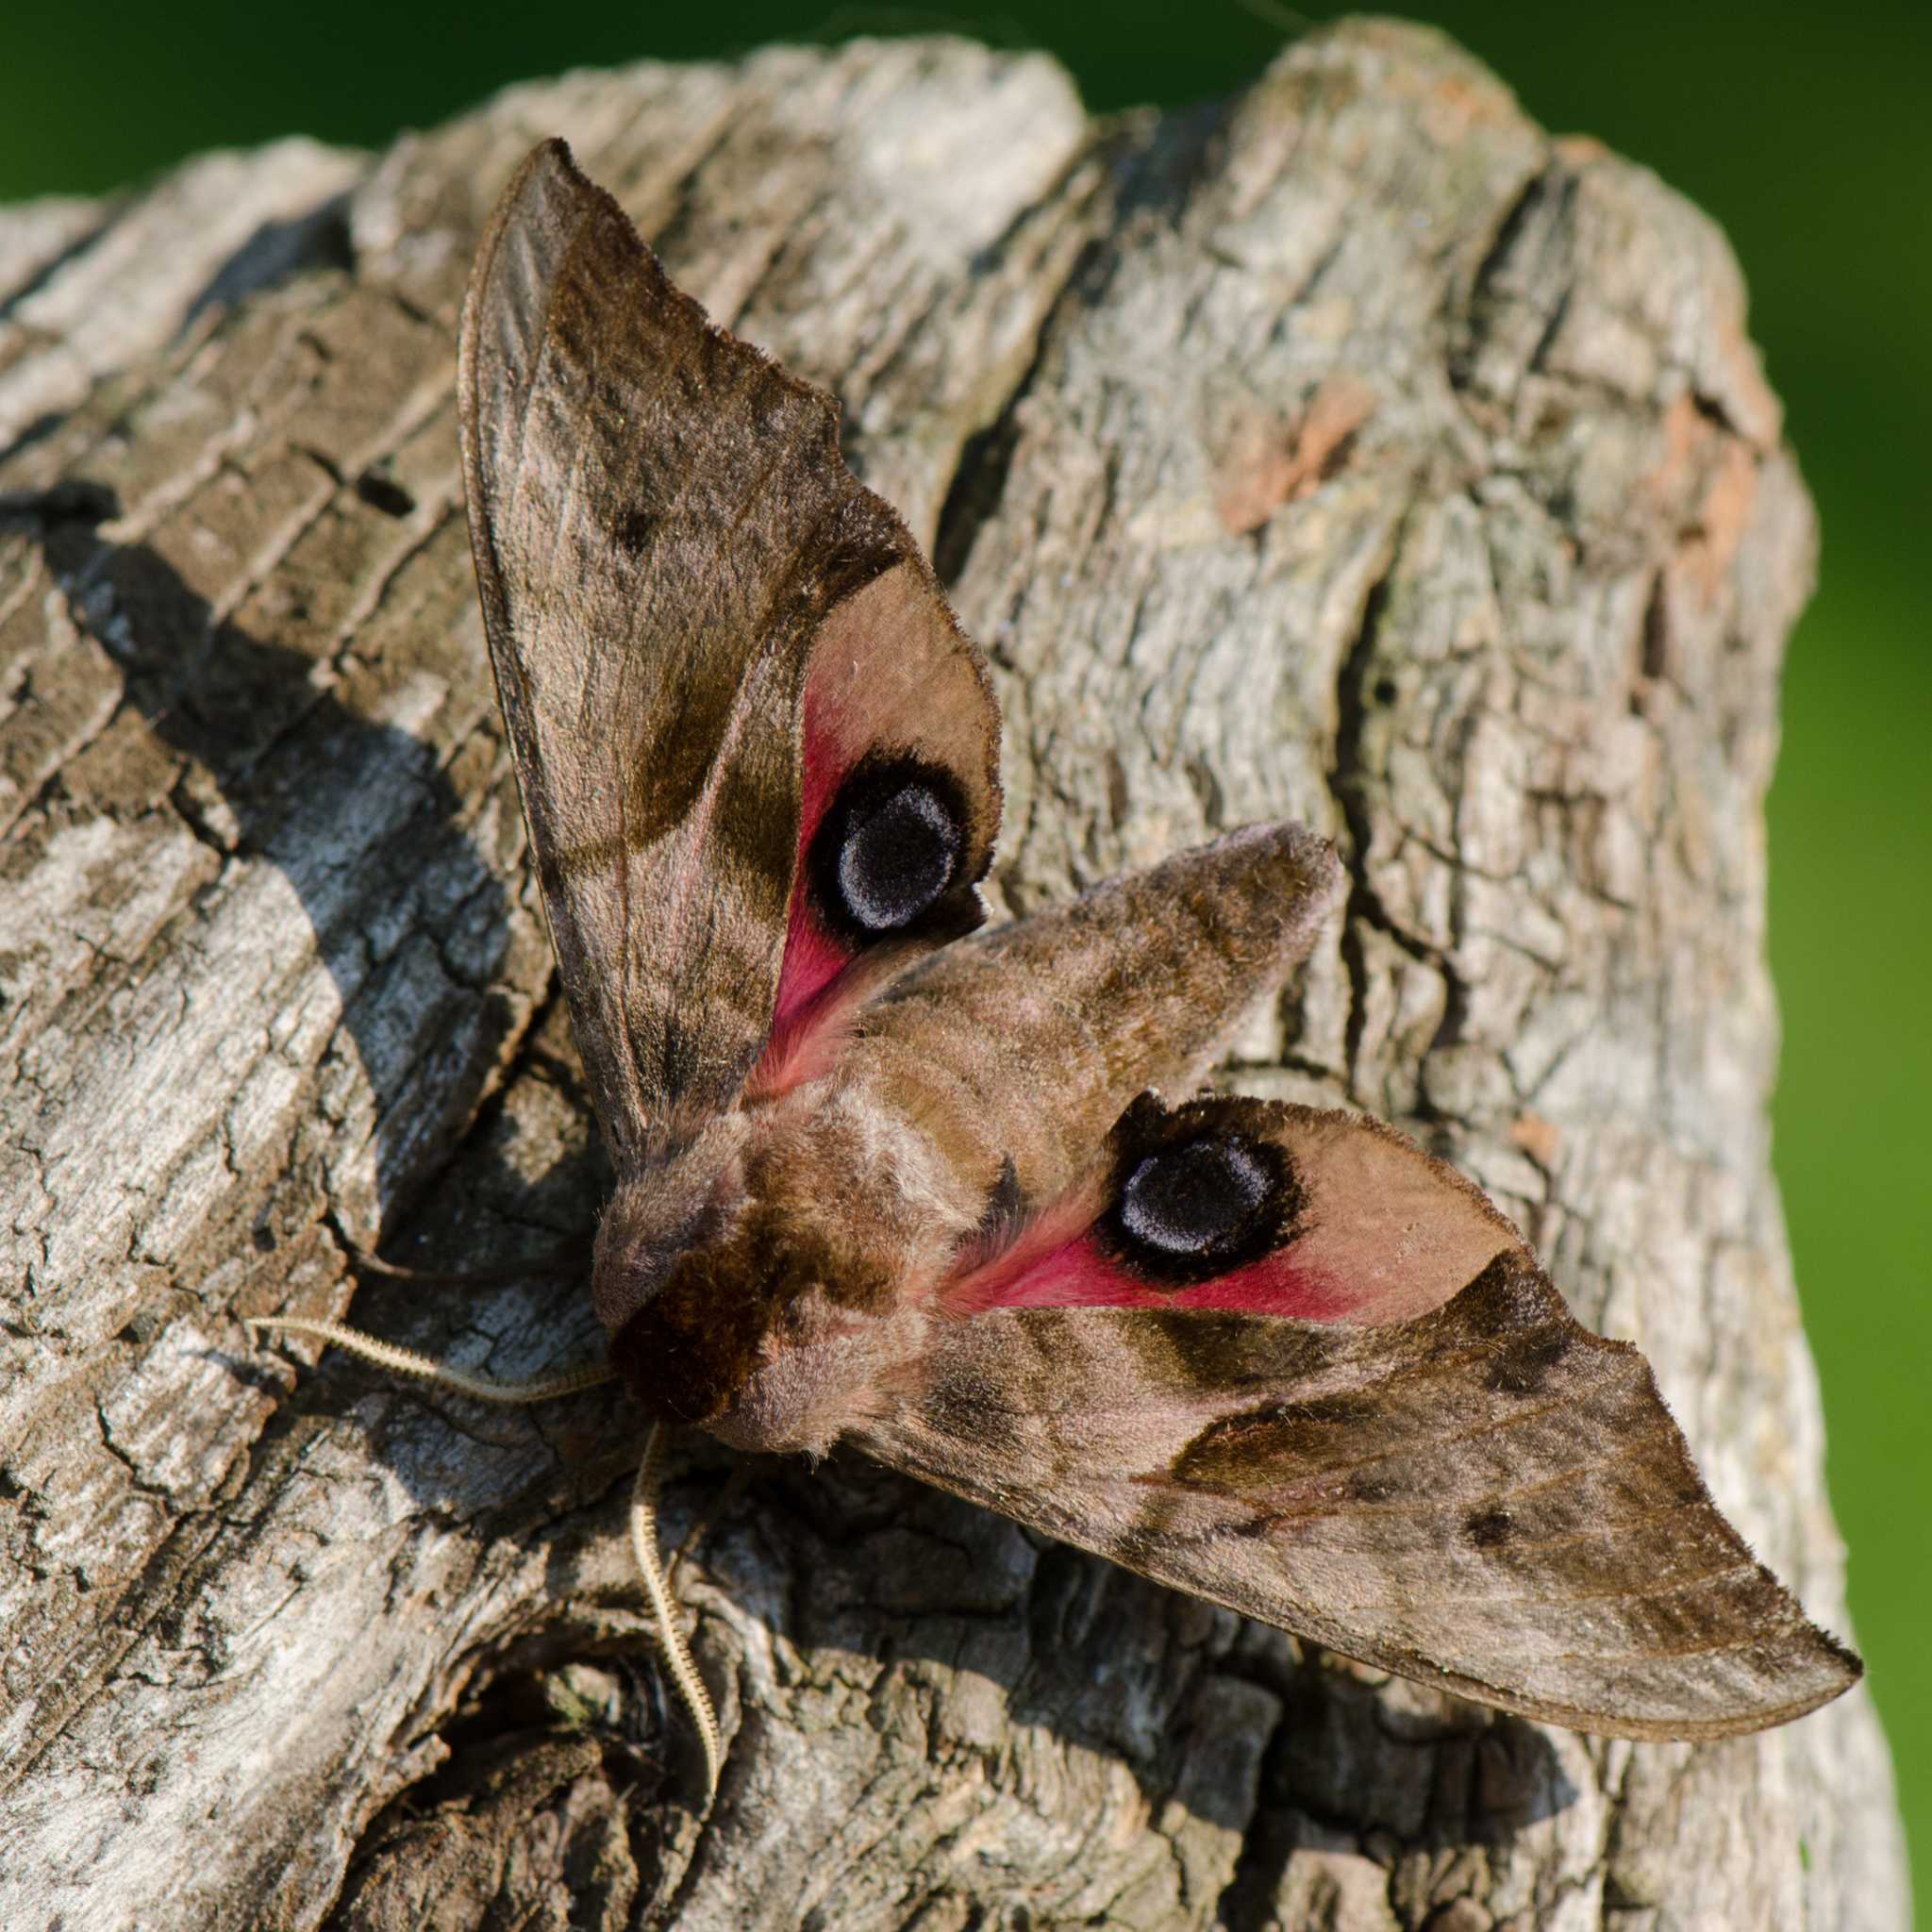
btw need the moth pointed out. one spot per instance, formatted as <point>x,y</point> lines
<point>888,1184</point>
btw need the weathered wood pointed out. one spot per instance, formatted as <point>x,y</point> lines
<point>1353,452</point>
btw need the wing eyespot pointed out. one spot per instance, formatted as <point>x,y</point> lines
<point>891,846</point>
<point>1197,1191</point>
<point>1187,1199</point>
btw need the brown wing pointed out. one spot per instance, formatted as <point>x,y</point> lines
<point>1486,1496</point>
<point>711,645</point>
<point>1028,1042</point>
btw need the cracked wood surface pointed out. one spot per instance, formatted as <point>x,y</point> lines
<point>1350,451</point>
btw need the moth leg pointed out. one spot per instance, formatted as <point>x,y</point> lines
<point>572,1260</point>
<point>735,1486</point>
<point>643,1542</point>
<point>441,1375</point>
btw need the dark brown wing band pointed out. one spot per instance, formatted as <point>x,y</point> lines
<point>1488,1497</point>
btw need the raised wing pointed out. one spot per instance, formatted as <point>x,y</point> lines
<point>1442,1474</point>
<point>1028,1042</point>
<point>758,760</point>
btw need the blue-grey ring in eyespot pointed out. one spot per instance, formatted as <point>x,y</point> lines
<point>898,859</point>
<point>1183,1200</point>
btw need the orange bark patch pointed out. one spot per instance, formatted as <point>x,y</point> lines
<point>1537,1137</point>
<point>1685,434</point>
<point>1729,503</point>
<point>1455,106</point>
<point>1760,415</point>
<point>1263,469</point>
<point>1578,150</point>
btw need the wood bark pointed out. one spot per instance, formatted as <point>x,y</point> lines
<point>1350,451</point>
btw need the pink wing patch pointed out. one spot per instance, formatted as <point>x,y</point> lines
<point>817,993</point>
<point>1079,1274</point>
<point>890,674</point>
<point>1371,1230</point>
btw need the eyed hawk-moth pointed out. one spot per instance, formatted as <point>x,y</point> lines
<point>890,1183</point>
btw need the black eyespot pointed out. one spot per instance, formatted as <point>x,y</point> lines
<point>891,845</point>
<point>894,863</point>
<point>632,530</point>
<point>1189,1197</point>
<point>1198,1191</point>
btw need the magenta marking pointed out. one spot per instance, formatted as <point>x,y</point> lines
<point>814,958</point>
<point>1078,1274</point>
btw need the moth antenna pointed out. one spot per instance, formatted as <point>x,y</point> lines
<point>406,1361</point>
<point>643,1542</point>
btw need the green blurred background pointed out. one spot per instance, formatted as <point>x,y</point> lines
<point>1805,131</point>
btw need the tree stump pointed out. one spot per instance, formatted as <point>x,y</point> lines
<point>1351,452</point>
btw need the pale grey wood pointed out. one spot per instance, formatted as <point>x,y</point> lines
<point>35,236</point>
<point>146,273</point>
<point>1352,451</point>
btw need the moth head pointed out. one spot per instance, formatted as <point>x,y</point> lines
<point>690,1195</point>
